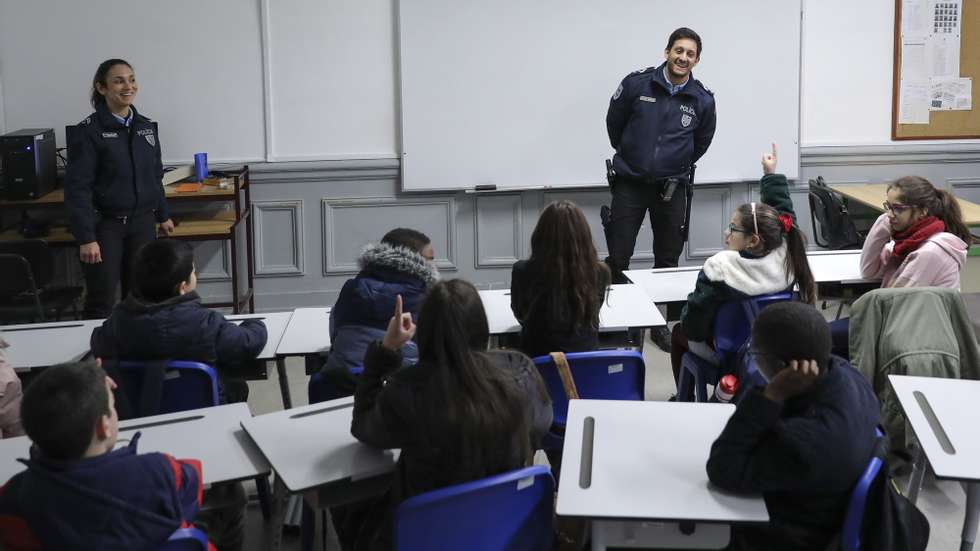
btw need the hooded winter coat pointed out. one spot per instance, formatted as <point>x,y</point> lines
<point>367,302</point>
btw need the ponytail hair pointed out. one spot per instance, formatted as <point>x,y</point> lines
<point>769,225</point>
<point>919,192</point>
<point>101,73</point>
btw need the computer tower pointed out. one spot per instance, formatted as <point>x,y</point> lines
<point>27,162</point>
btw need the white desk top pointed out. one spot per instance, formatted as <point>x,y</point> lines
<point>308,332</point>
<point>626,307</point>
<point>950,439</point>
<point>212,435</point>
<point>674,284</point>
<point>43,344</point>
<point>648,463</point>
<point>311,446</point>
<point>275,326</point>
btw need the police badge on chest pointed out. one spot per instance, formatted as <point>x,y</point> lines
<point>687,115</point>
<point>148,134</point>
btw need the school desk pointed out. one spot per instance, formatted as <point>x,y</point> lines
<point>44,344</point>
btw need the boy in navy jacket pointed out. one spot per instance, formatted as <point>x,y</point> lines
<point>163,319</point>
<point>77,492</point>
<point>804,441</point>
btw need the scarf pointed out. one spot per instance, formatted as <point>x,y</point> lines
<point>912,237</point>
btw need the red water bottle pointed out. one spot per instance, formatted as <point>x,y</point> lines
<point>726,388</point>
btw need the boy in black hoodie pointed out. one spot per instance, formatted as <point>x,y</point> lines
<point>163,319</point>
<point>804,441</point>
<point>77,492</point>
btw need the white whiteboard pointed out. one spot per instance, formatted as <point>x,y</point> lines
<point>198,65</point>
<point>514,93</point>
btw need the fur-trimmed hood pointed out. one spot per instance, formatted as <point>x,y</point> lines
<point>400,259</point>
<point>752,276</point>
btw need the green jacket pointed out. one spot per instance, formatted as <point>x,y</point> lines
<point>730,275</point>
<point>921,331</point>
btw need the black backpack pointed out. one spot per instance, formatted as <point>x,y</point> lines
<point>832,225</point>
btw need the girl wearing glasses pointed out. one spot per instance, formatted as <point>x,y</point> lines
<point>765,253</point>
<point>920,240</point>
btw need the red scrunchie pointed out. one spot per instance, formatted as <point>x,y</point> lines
<point>787,222</point>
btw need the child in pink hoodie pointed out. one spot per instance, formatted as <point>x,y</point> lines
<point>920,241</point>
<point>10,395</point>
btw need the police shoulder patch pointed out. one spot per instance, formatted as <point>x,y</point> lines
<point>618,92</point>
<point>87,120</point>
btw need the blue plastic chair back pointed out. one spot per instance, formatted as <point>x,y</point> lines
<point>186,539</point>
<point>854,518</point>
<point>319,389</point>
<point>733,322</point>
<point>598,375</point>
<point>186,385</point>
<point>506,511</point>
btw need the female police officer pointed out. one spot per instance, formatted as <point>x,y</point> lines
<point>113,188</point>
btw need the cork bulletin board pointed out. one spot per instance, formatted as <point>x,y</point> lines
<point>961,17</point>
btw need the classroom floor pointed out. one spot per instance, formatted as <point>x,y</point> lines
<point>942,502</point>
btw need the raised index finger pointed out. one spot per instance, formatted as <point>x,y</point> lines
<point>398,307</point>
<point>774,150</point>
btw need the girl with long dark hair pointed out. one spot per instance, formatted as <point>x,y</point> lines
<point>557,293</point>
<point>765,252</point>
<point>461,413</point>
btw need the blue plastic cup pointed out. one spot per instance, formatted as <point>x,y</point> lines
<point>200,166</point>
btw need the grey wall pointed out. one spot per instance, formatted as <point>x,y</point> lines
<point>312,218</point>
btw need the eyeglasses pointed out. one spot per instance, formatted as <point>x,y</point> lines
<point>895,208</point>
<point>732,228</point>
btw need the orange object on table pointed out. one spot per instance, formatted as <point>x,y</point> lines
<point>189,187</point>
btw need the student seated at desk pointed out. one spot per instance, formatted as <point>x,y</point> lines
<point>557,293</point>
<point>460,414</point>
<point>163,319</point>
<point>920,241</point>
<point>804,441</point>
<point>10,396</point>
<point>765,253</point>
<point>402,264</point>
<point>77,492</point>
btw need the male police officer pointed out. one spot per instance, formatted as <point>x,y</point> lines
<point>660,121</point>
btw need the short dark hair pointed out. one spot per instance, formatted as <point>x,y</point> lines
<point>681,33</point>
<point>100,75</point>
<point>408,238</point>
<point>61,407</point>
<point>159,268</point>
<point>792,331</point>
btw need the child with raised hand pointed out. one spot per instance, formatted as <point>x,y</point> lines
<point>803,441</point>
<point>460,414</point>
<point>765,252</point>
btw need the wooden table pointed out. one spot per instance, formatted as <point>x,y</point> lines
<point>208,226</point>
<point>873,195</point>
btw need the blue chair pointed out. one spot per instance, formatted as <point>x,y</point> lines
<point>733,328</point>
<point>186,385</point>
<point>186,539</point>
<point>320,390</point>
<point>854,517</point>
<point>506,511</point>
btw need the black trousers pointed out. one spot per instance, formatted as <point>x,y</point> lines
<point>118,241</point>
<point>631,200</point>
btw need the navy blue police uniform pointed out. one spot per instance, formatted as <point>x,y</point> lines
<point>114,194</point>
<point>658,136</point>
